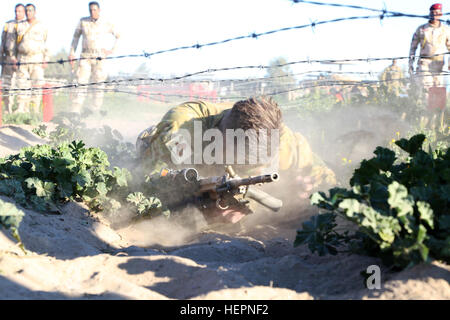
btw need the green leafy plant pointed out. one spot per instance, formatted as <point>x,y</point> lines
<point>10,218</point>
<point>42,177</point>
<point>71,126</point>
<point>22,118</point>
<point>399,211</point>
<point>145,206</point>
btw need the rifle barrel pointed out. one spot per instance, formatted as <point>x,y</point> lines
<point>265,178</point>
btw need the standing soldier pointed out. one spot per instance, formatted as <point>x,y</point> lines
<point>32,58</point>
<point>392,76</point>
<point>91,65</point>
<point>7,53</point>
<point>434,40</point>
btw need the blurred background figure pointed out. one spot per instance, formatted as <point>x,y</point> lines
<point>392,78</point>
<point>93,29</point>
<point>32,58</point>
<point>434,40</point>
<point>7,55</point>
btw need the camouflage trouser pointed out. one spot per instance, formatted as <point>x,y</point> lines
<point>90,70</point>
<point>30,76</point>
<point>8,82</point>
<point>429,74</point>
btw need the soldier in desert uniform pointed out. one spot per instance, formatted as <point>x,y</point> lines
<point>433,38</point>
<point>7,55</point>
<point>93,30</point>
<point>392,78</point>
<point>32,57</point>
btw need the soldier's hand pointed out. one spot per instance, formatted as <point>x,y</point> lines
<point>411,68</point>
<point>107,52</point>
<point>229,215</point>
<point>320,177</point>
<point>45,65</point>
<point>14,62</point>
<point>306,185</point>
<point>72,61</point>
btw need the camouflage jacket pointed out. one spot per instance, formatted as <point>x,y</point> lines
<point>32,39</point>
<point>93,32</point>
<point>432,41</point>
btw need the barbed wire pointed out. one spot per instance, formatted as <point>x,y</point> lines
<point>253,35</point>
<point>202,72</point>
<point>317,84</point>
<point>310,84</point>
<point>384,11</point>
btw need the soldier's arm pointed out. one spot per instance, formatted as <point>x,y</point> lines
<point>157,144</point>
<point>18,35</point>
<point>2,48</point>
<point>383,76</point>
<point>414,43</point>
<point>413,48</point>
<point>75,39</point>
<point>447,43</point>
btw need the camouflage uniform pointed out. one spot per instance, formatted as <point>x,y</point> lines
<point>7,54</point>
<point>91,69</point>
<point>393,76</point>
<point>295,154</point>
<point>432,40</point>
<point>31,47</point>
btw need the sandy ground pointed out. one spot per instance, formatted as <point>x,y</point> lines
<point>81,255</point>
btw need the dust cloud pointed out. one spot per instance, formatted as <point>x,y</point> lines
<point>350,133</point>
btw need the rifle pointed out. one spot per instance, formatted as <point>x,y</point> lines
<point>178,188</point>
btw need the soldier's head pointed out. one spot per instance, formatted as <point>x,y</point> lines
<point>254,113</point>
<point>435,12</point>
<point>256,116</point>
<point>30,10</point>
<point>394,62</point>
<point>94,10</point>
<point>20,11</point>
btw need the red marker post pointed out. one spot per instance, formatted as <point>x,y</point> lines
<point>1,103</point>
<point>47,101</point>
<point>437,98</point>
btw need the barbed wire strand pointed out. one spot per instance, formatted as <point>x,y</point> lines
<point>383,11</point>
<point>315,84</point>
<point>261,67</point>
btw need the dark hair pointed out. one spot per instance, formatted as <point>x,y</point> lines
<point>94,3</point>
<point>256,113</point>
<point>31,5</point>
<point>19,5</point>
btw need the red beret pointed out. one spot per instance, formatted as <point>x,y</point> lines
<point>436,6</point>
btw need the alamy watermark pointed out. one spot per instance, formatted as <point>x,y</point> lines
<point>374,280</point>
<point>235,147</point>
